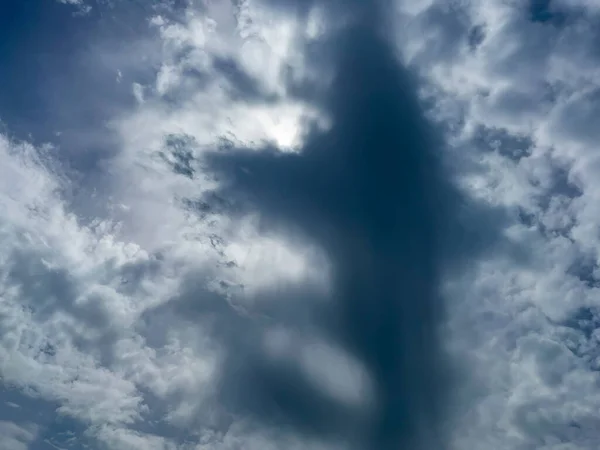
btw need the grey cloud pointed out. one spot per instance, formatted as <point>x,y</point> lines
<point>242,84</point>
<point>372,194</point>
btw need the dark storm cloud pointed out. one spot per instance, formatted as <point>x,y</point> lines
<point>371,194</point>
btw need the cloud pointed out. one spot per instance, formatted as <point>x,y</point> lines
<point>92,284</point>
<point>370,193</point>
<point>110,304</point>
<point>187,208</point>
<point>515,98</point>
<point>83,8</point>
<point>15,437</point>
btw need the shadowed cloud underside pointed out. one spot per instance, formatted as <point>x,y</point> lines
<point>368,192</point>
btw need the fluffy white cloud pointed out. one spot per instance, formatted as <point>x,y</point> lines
<point>514,84</point>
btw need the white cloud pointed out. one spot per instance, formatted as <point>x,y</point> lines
<point>88,316</point>
<point>496,67</point>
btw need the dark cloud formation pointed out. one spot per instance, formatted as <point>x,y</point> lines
<point>370,193</point>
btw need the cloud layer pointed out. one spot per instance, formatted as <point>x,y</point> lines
<point>268,224</point>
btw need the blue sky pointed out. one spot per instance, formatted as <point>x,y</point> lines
<point>268,224</point>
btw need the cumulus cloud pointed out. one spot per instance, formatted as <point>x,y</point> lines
<point>514,87</point>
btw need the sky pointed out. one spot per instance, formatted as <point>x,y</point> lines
<point>299,224</point>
